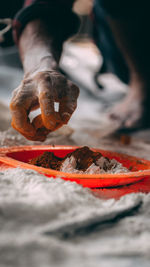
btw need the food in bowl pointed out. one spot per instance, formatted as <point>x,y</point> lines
<point>81,161</point>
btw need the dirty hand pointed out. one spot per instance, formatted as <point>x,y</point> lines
<point>43,89</point>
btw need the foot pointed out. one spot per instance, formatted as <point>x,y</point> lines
<point>133,112</point>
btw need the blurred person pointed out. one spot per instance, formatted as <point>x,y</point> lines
<point>39,30</point>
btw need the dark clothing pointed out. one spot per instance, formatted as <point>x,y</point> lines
<point>125,8</point>
<point>56,14</point>
<point>8,9</point>
<point>113,60</point>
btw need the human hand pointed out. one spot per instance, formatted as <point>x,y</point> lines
<point>43,89</point>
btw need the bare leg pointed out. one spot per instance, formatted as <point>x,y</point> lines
<point>132,36</point>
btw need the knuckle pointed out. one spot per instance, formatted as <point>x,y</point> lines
<point>14,105</point>
<point>62,80</point>
<point>15,91</point>
<point>52,77</point>
<point>45,99</point>
<point>19,101</point>
<point>43,76</point>
<point>46,77</point>
<point>72,107</point>
<point>74,88</point>
<point>26,82</point>
<point>44,93</point>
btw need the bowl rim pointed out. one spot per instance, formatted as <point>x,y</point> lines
<point>4,158</point>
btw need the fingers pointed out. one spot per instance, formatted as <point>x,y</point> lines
<point>48,95</point>
<point>37,137</point>
<point>50,118</point>
<point>59,91</point>
<point>69,103</point>
<point>20,120</point>
<point>22,102</point>
<point>44,90</point>
<point>41,131</point>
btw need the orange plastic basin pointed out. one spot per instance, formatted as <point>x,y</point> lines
<point>20,156</point>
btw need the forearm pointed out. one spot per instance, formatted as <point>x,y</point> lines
<point>38,49</point>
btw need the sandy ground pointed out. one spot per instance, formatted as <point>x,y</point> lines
<point>51,222</point>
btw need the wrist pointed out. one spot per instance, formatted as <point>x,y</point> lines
<point>44,62</point>
<point>37,48</point>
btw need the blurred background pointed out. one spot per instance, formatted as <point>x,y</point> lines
<point>81,62</point>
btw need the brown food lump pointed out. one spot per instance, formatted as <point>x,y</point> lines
<point>84,158</point>
<point>47,160</point>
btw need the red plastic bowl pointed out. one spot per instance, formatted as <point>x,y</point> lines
<point>20,156</point>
